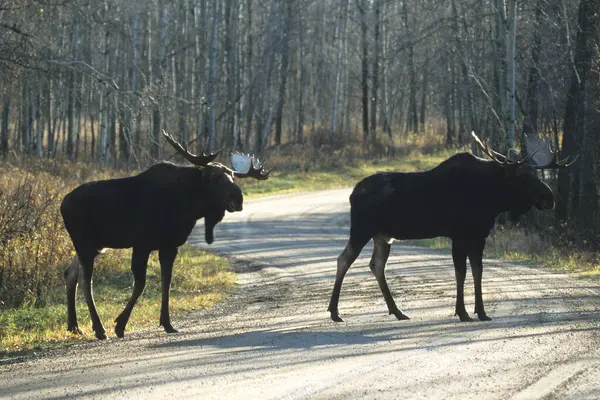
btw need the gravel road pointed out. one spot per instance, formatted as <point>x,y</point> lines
<point>273,338</point>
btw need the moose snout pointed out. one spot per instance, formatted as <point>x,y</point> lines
<point>234,205</point>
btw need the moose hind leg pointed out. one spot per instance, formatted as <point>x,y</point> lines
<point>381,252</point>
<point>87,269</point>
<point>139,266</point>
<point>344,262</point>
<point>166,257</point>
<point>476,260</point>
<point>72,274</point>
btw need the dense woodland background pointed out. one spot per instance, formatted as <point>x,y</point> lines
<point>96,81</point>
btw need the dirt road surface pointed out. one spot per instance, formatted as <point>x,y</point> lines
<point>273,338</point>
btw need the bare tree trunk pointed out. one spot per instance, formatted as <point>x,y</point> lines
<point>301,83</point>
<point>384,116</point>
<point>412,121</point>
<point>575,127</point>
<point>229,39</point>
<point>501,68</point>
<point>93,138</point>
<point>249,98</point>
<point>213,73</point>
<point>199,70</point>
<point>262,135</point>
<point>5,118</point>
<point>376,56</point>
<point>39,118</point>
<point>338,67</point>
<point>25,128</point>
<point>79,111</point>
<point>71,97</point>
<point>285,57</point>
<point>104,97</point>
<point>131,125</point>
<point>362,9</point>
<point>51,118</point>
<point>511,62</point>
<point>530,122</point>
<point>424,86</point>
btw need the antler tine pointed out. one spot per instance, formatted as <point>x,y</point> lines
<point>555,163</point>
<point>200,160</point>
<point>495,156</point>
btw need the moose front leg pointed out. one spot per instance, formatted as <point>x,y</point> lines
<point>459,256</point>
<point>476,260</point>
<point>166,257</point>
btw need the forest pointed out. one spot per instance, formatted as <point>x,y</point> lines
<point>97,81</point>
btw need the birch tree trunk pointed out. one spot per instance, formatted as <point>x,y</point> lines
<point>501,68</point>
<point>511,61</point>
<point>283,72</point>
<point>362,9</point>
<point>213,73</point>
<point>71,96</point>
<point>249,97</point>
<point>338,67</point>
<point>376,55</point>
<point>301,82</point>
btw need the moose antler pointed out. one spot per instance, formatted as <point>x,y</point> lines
<point>199,160</point>
<point>252,166</point>
<point>499,158</point>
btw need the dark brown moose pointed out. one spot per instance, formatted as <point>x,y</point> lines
<point>155,210</point>
<point>459,199</point>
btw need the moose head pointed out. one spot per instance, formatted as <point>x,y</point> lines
<point>524,185</point>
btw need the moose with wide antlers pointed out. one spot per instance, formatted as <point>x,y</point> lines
<point>459,199</point>
<point>155,210</point>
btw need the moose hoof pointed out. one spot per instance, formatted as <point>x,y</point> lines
<point>465,317</point>
<point>120,331</point>
<point>336,318</point>
<point>170,329</point>
<point>101,335</point>
<point>483,317</point>
<point>400,315</point>
<point>75,330</point>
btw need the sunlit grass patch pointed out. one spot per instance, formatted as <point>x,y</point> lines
<point>200,280</point>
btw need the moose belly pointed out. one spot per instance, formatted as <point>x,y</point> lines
<point>431,226</point>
